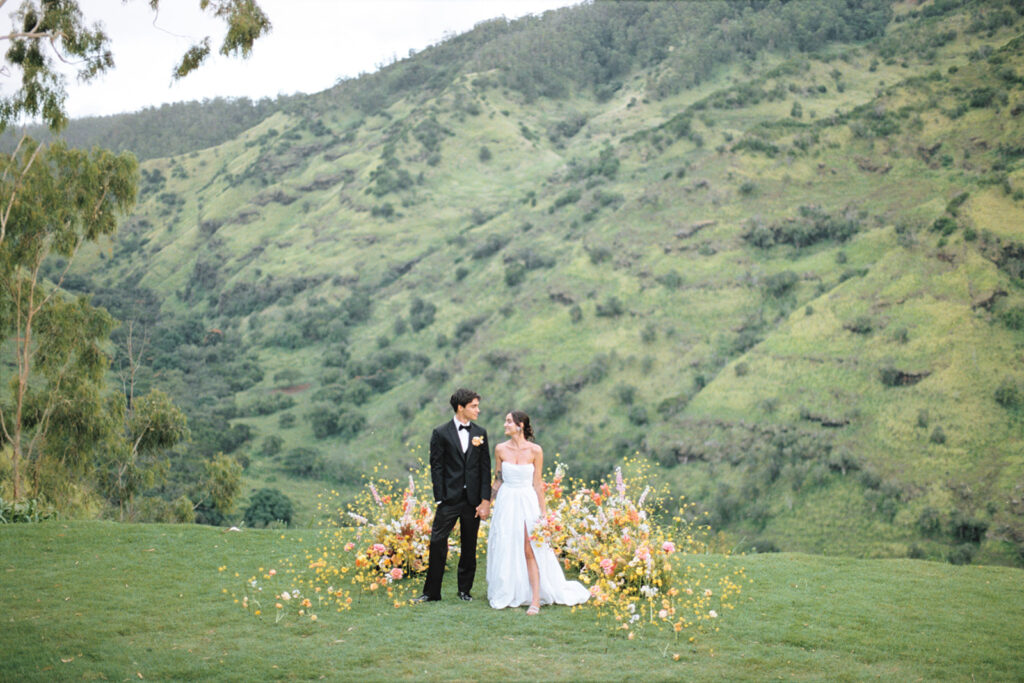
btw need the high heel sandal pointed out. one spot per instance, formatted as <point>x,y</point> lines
<point>534,609</point>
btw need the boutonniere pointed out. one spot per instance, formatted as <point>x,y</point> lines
<point>478,440</point>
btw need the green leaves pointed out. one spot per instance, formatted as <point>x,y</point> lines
<point>49,30</point>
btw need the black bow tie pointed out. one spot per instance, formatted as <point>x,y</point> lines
<point>466,427</point>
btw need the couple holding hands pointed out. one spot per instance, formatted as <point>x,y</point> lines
<point>519,571</point>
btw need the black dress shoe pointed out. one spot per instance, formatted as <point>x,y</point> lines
<point>424,598</point>
<point>465,596</point>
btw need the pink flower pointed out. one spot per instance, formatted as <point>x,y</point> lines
<point>669,547</point>
<point>663,614</point>
<point>350,545</point>
<point>272,572</point>
<point>396,573</point>
<point>378,548</point>
<point>608,566</point>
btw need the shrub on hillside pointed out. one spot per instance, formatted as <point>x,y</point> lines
<point>570,196</point>
<point>304,462</point>
<point>267,506</point>
<point>611,308</point>
<point>1013,318</point>
<point>268,404</point>
<point>929,521</point>
<point>778,285</point>
<point>860,325</point>
<point>421,314</point>
<point>944,225</point>
<point>598,253</point>
<point>271,445</point>
<point>967,529</point>
<point>638,415</point>
<point>962,554</point>
<point>465,330</point>
<point>1008,393</point>
<point>515,273</point>
<point>625,393</point>
<point>670,280</point>
<point>491,245</point>
<point>811,226</point>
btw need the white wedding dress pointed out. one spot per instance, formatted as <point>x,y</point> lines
<point>516,510</point>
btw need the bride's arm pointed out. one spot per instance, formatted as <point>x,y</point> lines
<point>538,480</point>
<point>498,451</point>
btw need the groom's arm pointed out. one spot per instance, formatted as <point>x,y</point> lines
<point>437,465</point>
<point>484,475</point>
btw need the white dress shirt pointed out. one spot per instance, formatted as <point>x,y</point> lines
<point>463,434</point>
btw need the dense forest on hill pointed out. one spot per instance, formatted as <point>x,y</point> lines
<point>163,131</point>
<point>774,248</point>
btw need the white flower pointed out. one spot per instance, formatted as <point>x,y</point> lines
<point>649,591</point>
<point>713,614</point>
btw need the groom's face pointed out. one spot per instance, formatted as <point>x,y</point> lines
<point>471,411</point>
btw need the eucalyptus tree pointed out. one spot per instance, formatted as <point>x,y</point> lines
<point>47,31</point>
<point>54,418</point>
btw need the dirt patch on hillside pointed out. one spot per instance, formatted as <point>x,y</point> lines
<point>292,389</point>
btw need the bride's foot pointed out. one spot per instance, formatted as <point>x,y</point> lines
<point>534,609</point>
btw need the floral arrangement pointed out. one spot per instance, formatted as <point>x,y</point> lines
<point>640,572</point>
<point>644,558</point>
<point>380,538</point>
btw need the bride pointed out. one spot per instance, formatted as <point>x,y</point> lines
<point>520,571</point>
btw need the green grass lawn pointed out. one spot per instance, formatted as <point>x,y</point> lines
<point>92,600</point>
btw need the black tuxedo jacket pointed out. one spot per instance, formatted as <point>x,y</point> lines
<point>451,470</point>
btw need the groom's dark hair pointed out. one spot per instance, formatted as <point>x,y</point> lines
<point>462,397</point>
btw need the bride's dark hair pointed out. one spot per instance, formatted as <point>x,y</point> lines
<point>523,420</point>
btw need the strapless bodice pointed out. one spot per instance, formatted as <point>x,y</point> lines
<point>517,476</point>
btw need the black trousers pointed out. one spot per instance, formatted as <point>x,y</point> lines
<point>445,517</point>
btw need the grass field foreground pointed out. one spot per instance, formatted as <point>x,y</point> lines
<point>93,600</point>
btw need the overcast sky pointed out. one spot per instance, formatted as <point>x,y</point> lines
<point>313,44</point>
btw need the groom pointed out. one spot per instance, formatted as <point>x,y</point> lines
<point>460,469</point>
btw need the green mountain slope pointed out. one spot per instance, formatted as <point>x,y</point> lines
<point>790,275</point>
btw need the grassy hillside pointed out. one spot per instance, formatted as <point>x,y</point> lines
<point>116,601</point>
<point>790,275</point>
